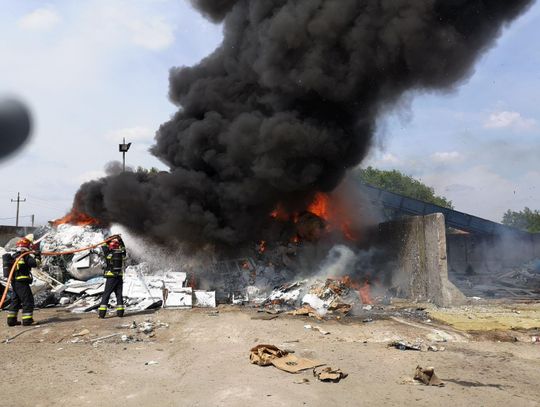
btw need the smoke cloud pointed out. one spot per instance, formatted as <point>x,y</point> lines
<point>15,126</point>
<point>286,105</point>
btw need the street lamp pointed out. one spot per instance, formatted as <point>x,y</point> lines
<point>124,148</point>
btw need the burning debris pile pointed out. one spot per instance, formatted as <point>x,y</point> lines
<point>269,278</point>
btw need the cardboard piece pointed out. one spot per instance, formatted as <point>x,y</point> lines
<point>263,355</point>
<point>327,374</point>
<point>293,364</point>
<point>427,376</point>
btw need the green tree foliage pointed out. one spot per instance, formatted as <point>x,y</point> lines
<point>527,220</point>
<point>150,171</point>
<point>399,183</point>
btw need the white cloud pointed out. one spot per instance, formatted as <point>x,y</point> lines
<point>131,134</point>
<point>126,22</point>
<point>444,157</point>
<point>389,158</point>
<point>511,120</point>
<point>41,19</point>
<point>154,34</point>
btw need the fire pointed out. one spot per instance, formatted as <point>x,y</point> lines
<point>364,291</point>
<point>327,209</point>
<point>320,206</point>
<point>280,213</point>
<point>75,217</point>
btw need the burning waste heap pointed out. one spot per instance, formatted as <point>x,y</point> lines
<point>268,126</point>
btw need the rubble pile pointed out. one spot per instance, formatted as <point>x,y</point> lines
<point>265,280</point>
<point>75,280</point>
<point>518,282</point>
<point>80,266</point>
<point>317,298</point>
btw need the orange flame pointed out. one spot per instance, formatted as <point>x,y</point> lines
<point>320,206</point>
<point>364,291</point>
<point>325,208</point>
<point>75,217</point>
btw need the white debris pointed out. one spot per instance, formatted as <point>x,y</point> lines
<point>64,301</point>
<point>316,303</point>
<point>204,299</point>
<point>181,298</point>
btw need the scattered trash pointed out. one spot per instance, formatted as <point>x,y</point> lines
<point>266,355</point>
<point>103,338</point>
<point>328,374</point>
<point>306,310</point>
<point>417,346</point>
<point>427,376</point>
<point>302,381</point>
<point>293,364</point>
<point>536,339</point>
<point>82,333</point>
<point>151,362</point>
<point>317,328</point>
<point>263,355</point>
<point>402,345</point>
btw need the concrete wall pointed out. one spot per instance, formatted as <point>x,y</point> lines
<point>486,254</point>
<point>418,246</point>
<point>9,232</point>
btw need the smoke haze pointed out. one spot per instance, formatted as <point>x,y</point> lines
<point>286,105</point>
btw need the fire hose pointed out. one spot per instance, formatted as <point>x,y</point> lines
<point>10,277</point>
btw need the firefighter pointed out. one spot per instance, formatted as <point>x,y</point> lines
<point>115,257</point>
<point>22,278</point>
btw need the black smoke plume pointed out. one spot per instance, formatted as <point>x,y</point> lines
<point>286,105</point>
<point>15,126</point>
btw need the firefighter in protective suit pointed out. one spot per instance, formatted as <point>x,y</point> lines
<point>115,258</point>
<point>22,296</point>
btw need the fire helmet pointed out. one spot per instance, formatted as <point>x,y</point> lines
<point>114,244</point>
<point>24,243</point>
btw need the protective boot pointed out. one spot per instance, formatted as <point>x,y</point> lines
<point>102,311</point>
<point>12,320</point>
<point>27,319</point>
<point>120,311</point>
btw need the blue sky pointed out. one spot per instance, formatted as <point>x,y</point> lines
<point>96,71</point>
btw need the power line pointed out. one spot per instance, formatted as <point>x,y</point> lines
<point>18,200</point>
<point>21,216</point>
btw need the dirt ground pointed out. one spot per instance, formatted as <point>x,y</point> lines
<point>203,360</point>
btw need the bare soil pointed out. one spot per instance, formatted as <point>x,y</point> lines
<point>203,360</point>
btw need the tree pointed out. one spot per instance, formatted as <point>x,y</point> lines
<point>151,171</point>
<point>399,183</point>
<point>527,220</point>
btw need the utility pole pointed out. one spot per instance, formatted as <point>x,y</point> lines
<point>33,218</point>
<point>124,148</point>
<point>18,200</point>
